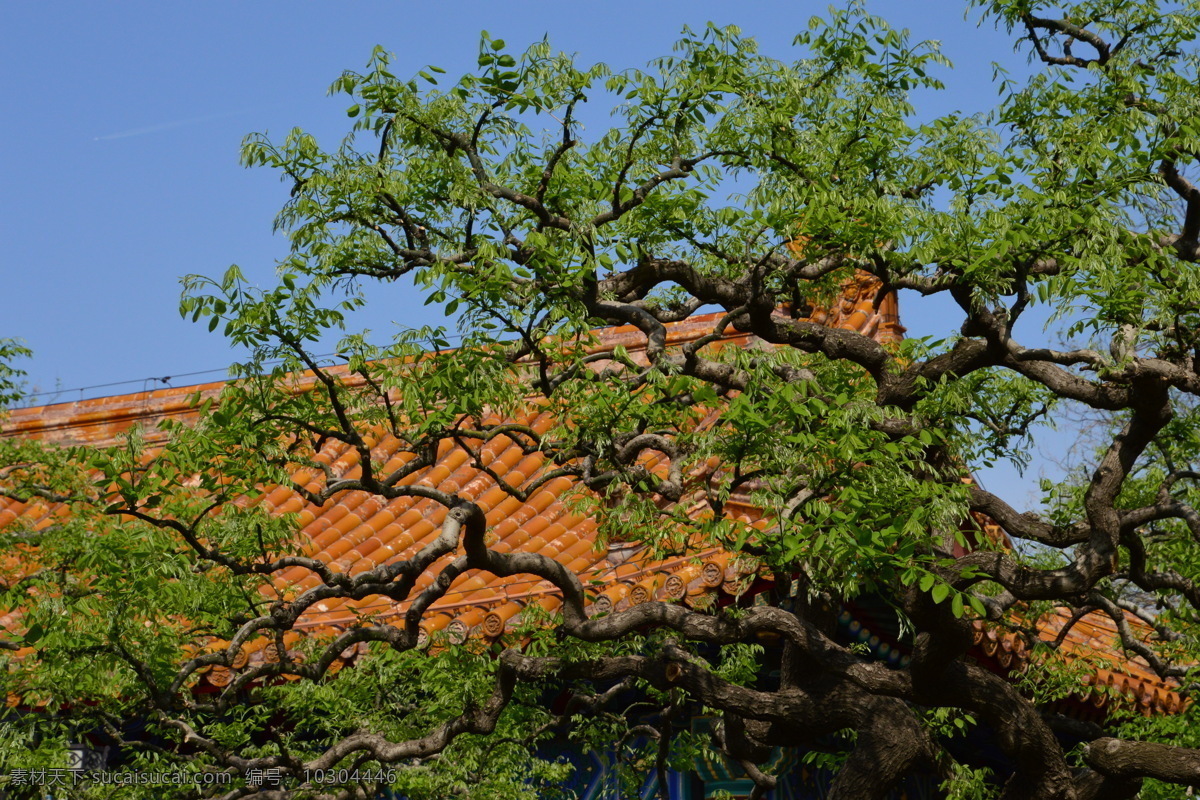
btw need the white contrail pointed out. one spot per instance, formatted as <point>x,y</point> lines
<point>164,126</point>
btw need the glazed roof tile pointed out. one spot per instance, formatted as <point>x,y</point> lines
<point>357,531</point>
<point>1112,679</point>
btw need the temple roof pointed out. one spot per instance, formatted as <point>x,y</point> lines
<point>357,531</point>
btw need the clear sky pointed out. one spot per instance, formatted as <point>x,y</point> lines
<point>122,123</point>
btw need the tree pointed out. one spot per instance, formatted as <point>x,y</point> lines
<point>731,181</point>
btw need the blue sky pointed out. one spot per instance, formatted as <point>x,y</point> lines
<point>122,124</point>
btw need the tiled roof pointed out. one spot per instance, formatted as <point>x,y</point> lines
<point>1111,679</point>
<point>358,531</point>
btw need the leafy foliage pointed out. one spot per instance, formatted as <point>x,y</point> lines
<point>778,193</point>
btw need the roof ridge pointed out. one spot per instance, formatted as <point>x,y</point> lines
<point>99,420</point>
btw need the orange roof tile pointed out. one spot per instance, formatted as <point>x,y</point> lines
<point>1095,640</point>
<point>359,531</point>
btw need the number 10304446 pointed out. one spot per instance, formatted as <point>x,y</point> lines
<point>349,775</point>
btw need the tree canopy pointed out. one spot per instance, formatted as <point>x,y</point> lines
<point>727,180</point>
